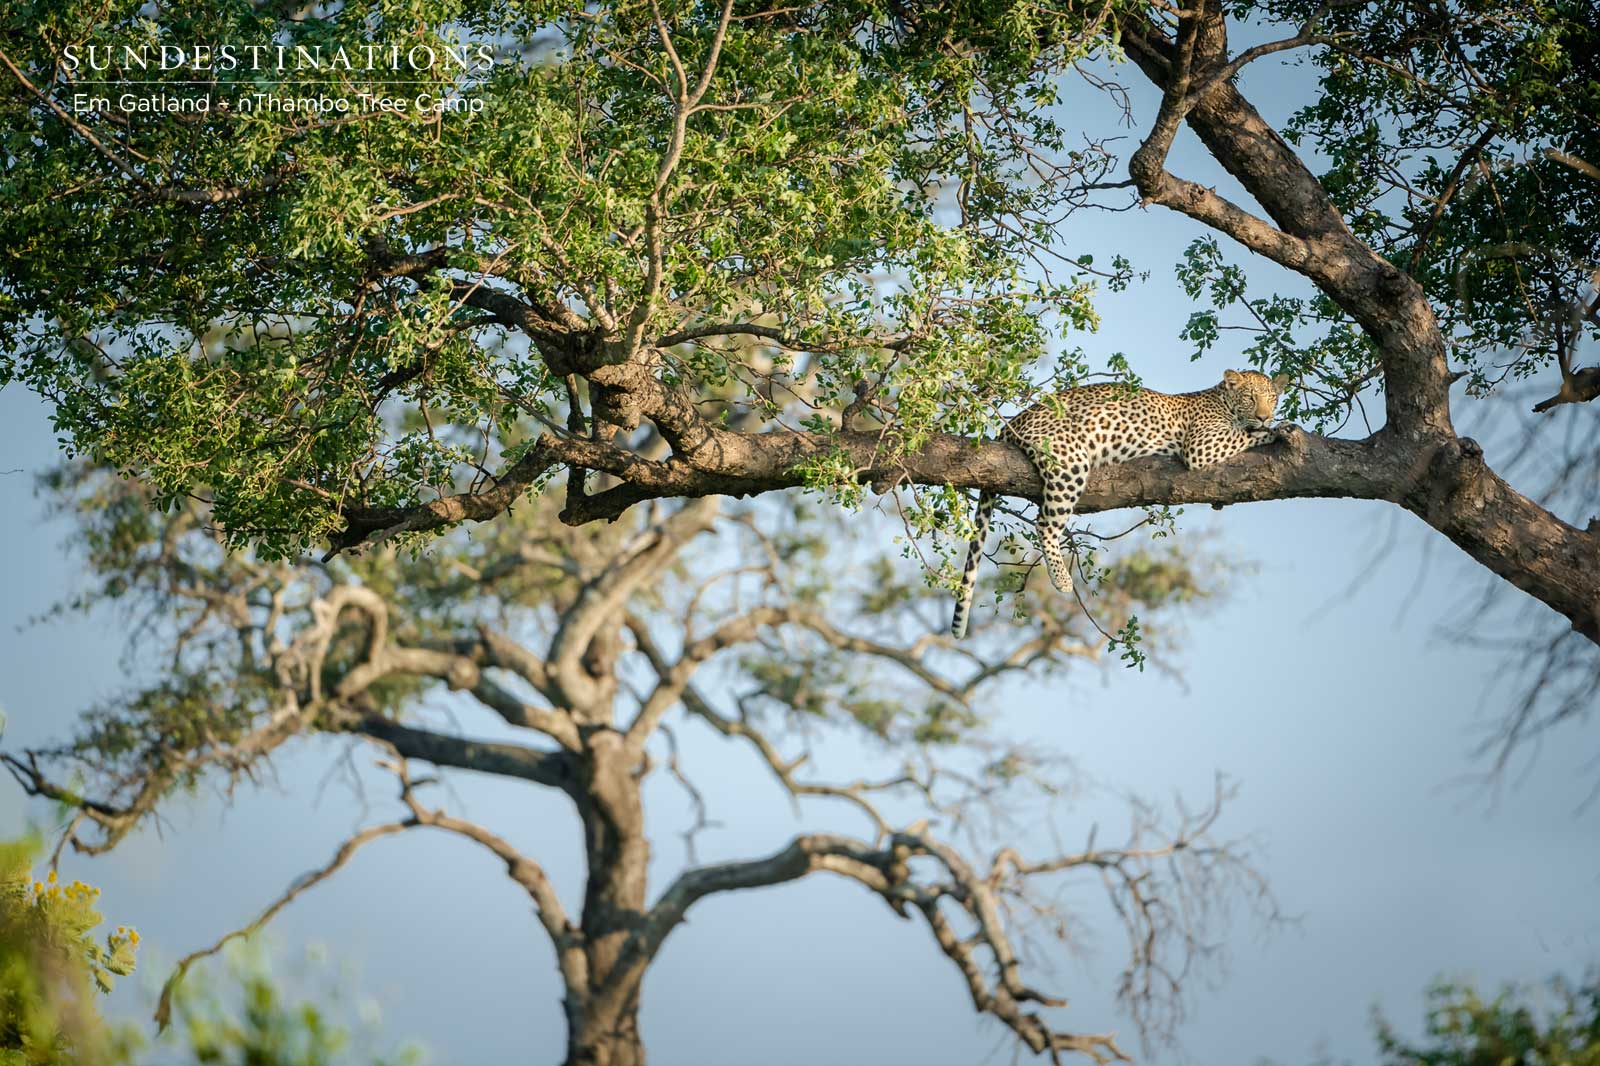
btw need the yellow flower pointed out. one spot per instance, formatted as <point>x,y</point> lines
<point>38,888</point>
<point>133,937</point>
<point>51,877</point>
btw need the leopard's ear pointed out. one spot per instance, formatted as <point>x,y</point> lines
<point>1232,377</point>
<point>1280,382</point>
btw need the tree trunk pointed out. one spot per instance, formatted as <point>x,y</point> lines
<point>617,1045</point>
<point>606,1032</point>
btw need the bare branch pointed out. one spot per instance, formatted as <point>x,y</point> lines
<point>600,602</point>
<point>886,872</point>
<point>566,938</point>
<point>163,1014</point>
<point>674,679</point>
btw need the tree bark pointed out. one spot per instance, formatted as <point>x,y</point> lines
<point>616,1045</point>
<point>617,853</point>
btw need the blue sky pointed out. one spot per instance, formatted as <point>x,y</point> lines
<point>1348,724</point>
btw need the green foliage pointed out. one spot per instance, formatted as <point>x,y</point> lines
<point>1462,145</point>
<point>214,302</point>
<point>1308,338</point>
<point>53,965</point>
<point>245,1018</point>
<point>1557,1025</point>
<point>834,475</point>
<point>272,309</point>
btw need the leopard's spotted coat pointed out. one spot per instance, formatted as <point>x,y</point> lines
<point>1072,432</point>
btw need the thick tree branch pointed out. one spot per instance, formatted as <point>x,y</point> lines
<point>1418,461</point>
<point>1390,307</point>
<point>1523,542</point>
<point>1578,386</point>
<point>601,601</point>
<point>481,756</point>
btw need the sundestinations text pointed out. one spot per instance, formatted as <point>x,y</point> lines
<point>206,58</point>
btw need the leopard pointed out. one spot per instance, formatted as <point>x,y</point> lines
<point>1069,433</point>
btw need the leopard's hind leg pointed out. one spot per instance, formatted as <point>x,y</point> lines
<point>1064,477</point>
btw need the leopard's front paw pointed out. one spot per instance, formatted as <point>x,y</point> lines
<point>1295,439</point>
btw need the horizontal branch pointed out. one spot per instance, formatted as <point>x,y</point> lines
<point>732,329</point>
<point>373,525</point>
<point>1522,542</point>
<point>481,756</point>
<point>738,464</point>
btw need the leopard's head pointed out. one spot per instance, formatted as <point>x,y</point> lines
<point>1251,396</point>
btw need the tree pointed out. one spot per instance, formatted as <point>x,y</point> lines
<point>664,210</point>
<point>595,647</point>
<point>1558,1024</point>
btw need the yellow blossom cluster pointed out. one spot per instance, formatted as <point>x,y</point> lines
<point>49,890</point>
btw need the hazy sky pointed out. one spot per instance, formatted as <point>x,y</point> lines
<point>1347,723</point>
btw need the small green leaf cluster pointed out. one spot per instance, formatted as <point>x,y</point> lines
<point>247,1016</point>
<point>1326,356</point>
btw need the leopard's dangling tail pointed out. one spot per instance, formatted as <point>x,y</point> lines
<point>969,575</point>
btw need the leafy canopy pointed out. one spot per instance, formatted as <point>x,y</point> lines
<point>774,210</point>
<point>241,300</point>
